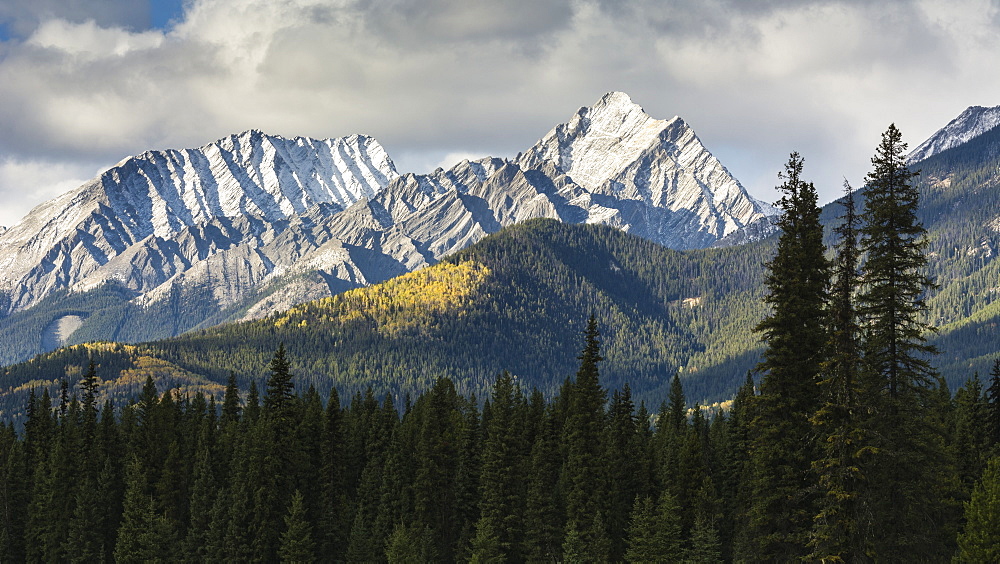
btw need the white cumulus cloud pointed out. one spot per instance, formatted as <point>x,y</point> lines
<point>439,80</point>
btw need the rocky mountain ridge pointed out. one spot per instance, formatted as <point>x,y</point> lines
<point>254,223</point>
<point>973,122</point>
<point>416,218</point>
<point>93,234</point>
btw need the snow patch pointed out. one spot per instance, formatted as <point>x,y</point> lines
<point>59,330</point>
<point>970,124</point>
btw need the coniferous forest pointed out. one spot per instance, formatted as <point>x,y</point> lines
<point>843,445</point>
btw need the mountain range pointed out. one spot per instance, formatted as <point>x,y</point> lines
<point>516,300</point>
<point>252,224</point>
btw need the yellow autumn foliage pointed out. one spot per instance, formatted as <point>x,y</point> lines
<point>402,303</point>
<point>161,370</point>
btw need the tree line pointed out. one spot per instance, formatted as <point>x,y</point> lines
<point>582,477</point>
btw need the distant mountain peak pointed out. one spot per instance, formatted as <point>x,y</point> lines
<point>615,148</point>
<point>971,123</point>
<point>253,223</point>
<point>599,141</point>
<point>161,194</point>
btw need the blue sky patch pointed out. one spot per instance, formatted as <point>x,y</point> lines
<point>161,12</point>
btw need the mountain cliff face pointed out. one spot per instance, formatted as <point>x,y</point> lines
<point>254,224</point>
<point>170,201</point>
<point>614,149</point>
<point>973,122</point>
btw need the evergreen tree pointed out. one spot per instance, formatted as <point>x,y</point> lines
<point>642,448</point>
<point>692,468</point>
<point>144,536</point>
<point>670,438</point>
<point>624,470</point>
<point>705,545</point>
<point>468,479</point>
<point>655,530</point>
<point>908,474</point>
<point>500,504</point>
<point>969,443</point>
<point>13,495</point>
<point>980,540</point>
<point>63,397</point>
<point>204,490</point>
<point>410,545</point>
<point>89,383</point>
<point>297,541</point>
<point>396,499</point>
<point>231,400</point>
<point>735,476</point>
<point>251,412</point>
<point>543,525</point>
<point>280,389</point>
<point>374,430</point>
<point>305,458</point>
<point>583,471</point>
<point>840,526</point>
<point>334,528</point>
<point>795,337</point>
<point>677,406</point>
<point>438,420</point>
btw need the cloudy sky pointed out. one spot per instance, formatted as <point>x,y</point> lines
<point>84,83</point>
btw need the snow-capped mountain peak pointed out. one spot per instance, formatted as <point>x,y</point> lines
<point>161,193</point>
<point>615,148</point>
<point>253,223</point>
<point>971,123</point>
<point>599,141</point>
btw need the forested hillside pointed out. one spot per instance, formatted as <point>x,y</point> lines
<point>960,206</point>
<point>511,302</point>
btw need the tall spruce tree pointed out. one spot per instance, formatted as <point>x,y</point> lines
<point>543,523</point>
<point>297,543</point>
<point>501,499</point>
<point>782,451</point>
<point>584,474</point>
<point>334,526</point>
<point>231,400</point>
<point>968,443</point>
<point>623,465</point>
<point>907,475</point>
<point>280,389</point>
<point>840,527</point>
<point>13,495</point>
<point>654,533</point>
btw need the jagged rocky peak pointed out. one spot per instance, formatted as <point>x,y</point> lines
<point>971,123</point>
<point>615,148</point>
<point>599,141</point>
<point>161,193</point>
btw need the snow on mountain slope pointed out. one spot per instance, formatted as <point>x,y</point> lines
<point>971,123</point>
<point>254,224</point>
<point>160,193</point>
<point>614,148</point>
